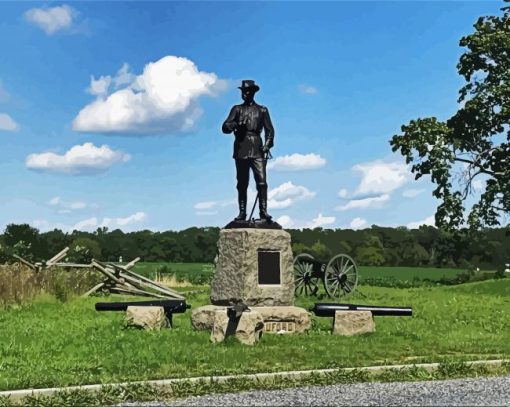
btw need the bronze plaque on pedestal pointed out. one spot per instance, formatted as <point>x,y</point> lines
<point>269,267</point>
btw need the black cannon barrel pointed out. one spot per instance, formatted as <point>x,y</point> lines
<point>328,309</point>
<point>176,306</point>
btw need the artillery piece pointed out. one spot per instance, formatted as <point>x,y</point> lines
<point>339,275</point>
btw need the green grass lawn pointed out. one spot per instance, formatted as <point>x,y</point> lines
<point>406,273</point>
<point>48,344</point>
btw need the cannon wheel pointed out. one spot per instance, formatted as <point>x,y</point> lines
<point>304,280</point>
<point>341,276</point>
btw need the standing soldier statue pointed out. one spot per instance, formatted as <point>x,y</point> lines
<point>247,121</point>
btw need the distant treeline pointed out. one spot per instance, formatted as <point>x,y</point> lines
<point>376,246</point>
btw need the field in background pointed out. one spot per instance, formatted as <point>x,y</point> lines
<point>200,273</point>
<point>48,343</point>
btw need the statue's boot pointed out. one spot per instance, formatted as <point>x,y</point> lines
<point>242,210</point>
<point>263,205</point>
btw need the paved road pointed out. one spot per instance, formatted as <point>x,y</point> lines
<point>460,392</point>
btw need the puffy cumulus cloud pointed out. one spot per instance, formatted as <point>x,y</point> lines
<point>127,223</point>
<point>297,162</point>
<point>430,221</point>
<point>7,123</point>
<point>52,19</point>
<point>287,194</point>
<point>412,193</point>
<point>307,89</point>
<point>163,99</point>
<point>357,223</point>
<point>378,177</point>
<point>321,221</point>
<point>79,160</point>
<point>86,225</point>
<point>286,221</point>
<point>365,203</point>
<point>114,223</point>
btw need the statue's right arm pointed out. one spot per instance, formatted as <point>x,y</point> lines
<point>231,123</point>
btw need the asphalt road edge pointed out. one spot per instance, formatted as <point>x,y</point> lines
<point>16,395</point>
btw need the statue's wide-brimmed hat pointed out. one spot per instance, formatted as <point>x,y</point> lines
<point>249,84</point>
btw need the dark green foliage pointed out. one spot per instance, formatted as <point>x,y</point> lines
<point>426,246</point>
<point>474,141</point>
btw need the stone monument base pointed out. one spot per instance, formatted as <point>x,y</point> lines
<point>348,323</point>
<point>280,320</point>
<point>253,266</point>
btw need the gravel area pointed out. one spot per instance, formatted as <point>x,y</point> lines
<point>494,391</point>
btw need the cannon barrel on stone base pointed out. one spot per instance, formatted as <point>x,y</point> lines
<point>329,309</point>
<point>170,307</point>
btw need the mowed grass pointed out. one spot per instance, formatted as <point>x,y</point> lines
<point>50,344</point>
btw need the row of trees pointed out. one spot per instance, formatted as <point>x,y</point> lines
<point>378,246</point>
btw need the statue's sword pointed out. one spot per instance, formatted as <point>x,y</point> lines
<point>257,198</point>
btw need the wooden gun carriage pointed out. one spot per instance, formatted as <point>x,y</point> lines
<point>339,275</point>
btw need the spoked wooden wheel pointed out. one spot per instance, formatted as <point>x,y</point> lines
<point>304,280</point>
<point>341,276</point>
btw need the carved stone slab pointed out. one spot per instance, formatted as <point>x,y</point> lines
<point>253,266</point>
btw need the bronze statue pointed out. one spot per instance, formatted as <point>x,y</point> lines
<point>247,121</point>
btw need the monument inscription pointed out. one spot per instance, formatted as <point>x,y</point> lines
<point>269,267</point>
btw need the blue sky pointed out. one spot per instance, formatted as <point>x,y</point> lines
<point>111,112</point>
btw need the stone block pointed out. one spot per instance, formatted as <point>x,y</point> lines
<point>248,330</point>
<point>349,323</point>
<point>202,318</point>
<point>150,318</point>
<point>253,266</point>
<point>285,319</point>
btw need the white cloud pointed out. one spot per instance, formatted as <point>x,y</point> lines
<point>7,123</point>
<point>67,207</point>
<point>87,225</point>
<point>124,76</point>
<point>93,223</point>
<point>307,89</point>
<point>411,193</point>
<point>287,194</point>
<point>321,221</point>
<point>114,223</point>
<point>380,178</point>
<point>206,205</point>
<point>297,162</point>
<point>79,160</point>
<point>365,203</point>
<point>163,99</point>
<point>357,223</point>
<point>342,193</point>
<point>427,221</point>
<point>285,221</point>
<point>99,86</point>
<point>52,19</point>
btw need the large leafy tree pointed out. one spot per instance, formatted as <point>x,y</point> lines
<point>474,144</point>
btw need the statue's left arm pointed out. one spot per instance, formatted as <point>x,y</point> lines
<point>268,128</point>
